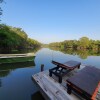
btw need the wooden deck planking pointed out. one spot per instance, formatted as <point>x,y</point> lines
<point>53,90</point>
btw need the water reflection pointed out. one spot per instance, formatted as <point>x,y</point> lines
<point>83,54</point>
<point>22,51</point>
<point>0,83</point>
<point>16,78</point>
<point>4,73</point>
<point>6,68</point>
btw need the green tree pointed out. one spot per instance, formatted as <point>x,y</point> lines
<point>33,43</point>
<point>12,38</point>
<point>84,42</point>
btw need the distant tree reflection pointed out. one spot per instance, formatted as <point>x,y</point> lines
<point>83,54</point>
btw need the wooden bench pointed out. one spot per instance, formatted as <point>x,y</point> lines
<point>85,83</point>
<point>62,69</point>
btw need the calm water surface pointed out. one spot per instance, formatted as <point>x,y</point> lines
<point>15,79</point>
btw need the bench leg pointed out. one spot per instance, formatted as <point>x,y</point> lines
<point>50,73</point>
<point>79,67</point>
<point>60,79</point>
<point>69,90</point>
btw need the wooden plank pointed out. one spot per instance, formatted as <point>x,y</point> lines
<point>51,88</point>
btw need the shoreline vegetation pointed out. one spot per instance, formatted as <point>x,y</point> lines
<point>15,39</point>
<point>84,43</point>
<point>83,47</point>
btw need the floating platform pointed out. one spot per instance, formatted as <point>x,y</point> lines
<point>13,58</point>
<point>51,89</point>
<point>16,55</point>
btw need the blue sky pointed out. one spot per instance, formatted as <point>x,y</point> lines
<point>54,20</point>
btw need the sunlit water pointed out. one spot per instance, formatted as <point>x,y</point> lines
<point>16,82</point>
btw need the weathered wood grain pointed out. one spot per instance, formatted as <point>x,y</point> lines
<point>51,87</point>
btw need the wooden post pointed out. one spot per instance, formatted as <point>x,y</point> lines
<point>42,67</point>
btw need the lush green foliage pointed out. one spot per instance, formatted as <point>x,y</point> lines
<point>12,38</point>
<point>33,43</point>
<point>82,43</point>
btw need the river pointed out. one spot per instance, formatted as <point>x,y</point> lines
<point>15,79</point>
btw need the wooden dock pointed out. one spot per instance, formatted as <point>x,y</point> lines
<point>51,89</point>
<point>16,55</point>
<point>14,58</point>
